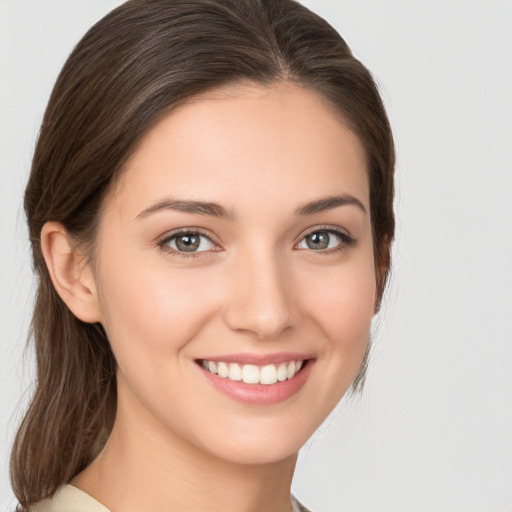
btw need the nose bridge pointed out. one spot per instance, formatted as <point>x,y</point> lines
<point>262,300</point>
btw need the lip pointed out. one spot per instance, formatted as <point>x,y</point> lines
<point>259,394</point>
<point>258,359</point>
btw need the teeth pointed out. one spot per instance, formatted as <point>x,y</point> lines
<point>235,372</point>
<point>222,370</point>
<point>252,374</point>
<point>268,374</point>
<point>290,371</point>
<point>281,372</point>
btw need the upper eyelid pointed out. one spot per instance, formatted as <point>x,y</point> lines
<point>325,227</point>
<point>184,231</point>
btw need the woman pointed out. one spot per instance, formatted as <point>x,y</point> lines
<point>210,211</point>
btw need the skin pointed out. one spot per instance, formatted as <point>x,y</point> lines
<point>261,152</point>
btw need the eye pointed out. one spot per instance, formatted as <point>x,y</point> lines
<point>326,240</point>
<point>186,243</point>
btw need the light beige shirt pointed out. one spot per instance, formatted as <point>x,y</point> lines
<point>71,499</point>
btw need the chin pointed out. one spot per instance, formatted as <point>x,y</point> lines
<point>266,442</point>
<point>256,454</point>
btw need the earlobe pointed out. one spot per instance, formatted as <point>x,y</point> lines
<point>72,279</point>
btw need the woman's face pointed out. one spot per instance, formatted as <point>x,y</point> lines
<point>239,234</point>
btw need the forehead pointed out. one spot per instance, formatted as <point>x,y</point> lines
<point>241,144</point>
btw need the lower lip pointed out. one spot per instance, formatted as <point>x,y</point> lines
<point>260,394</point>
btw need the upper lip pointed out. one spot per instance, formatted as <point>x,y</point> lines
<point>259,359</point>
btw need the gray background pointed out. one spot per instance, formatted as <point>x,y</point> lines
<point>433,429</point>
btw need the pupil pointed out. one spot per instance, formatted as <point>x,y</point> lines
<point>187,243</point>
<point>318,240</point>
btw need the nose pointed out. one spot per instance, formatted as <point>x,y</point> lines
<point>262,300</point>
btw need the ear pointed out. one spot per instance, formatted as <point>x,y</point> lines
<point>382,267</point>
<point>72,278</point>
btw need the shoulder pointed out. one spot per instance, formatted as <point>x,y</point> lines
<point>298,506</point>
<point>68,498</point>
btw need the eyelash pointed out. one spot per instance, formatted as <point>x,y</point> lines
<point>346,241</point>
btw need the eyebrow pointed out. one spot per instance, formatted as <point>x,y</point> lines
<point>216,210</point>
<point>328,203</point>
<point>197,207</point>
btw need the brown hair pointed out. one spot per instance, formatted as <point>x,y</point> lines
<point>138,62</point>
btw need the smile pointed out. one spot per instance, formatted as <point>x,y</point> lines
<point>257,381</point>
<point>252,374</point>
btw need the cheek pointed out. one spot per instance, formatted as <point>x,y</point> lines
<point>343,298</point>
<point>341,302</point>
<point>151,310</point>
